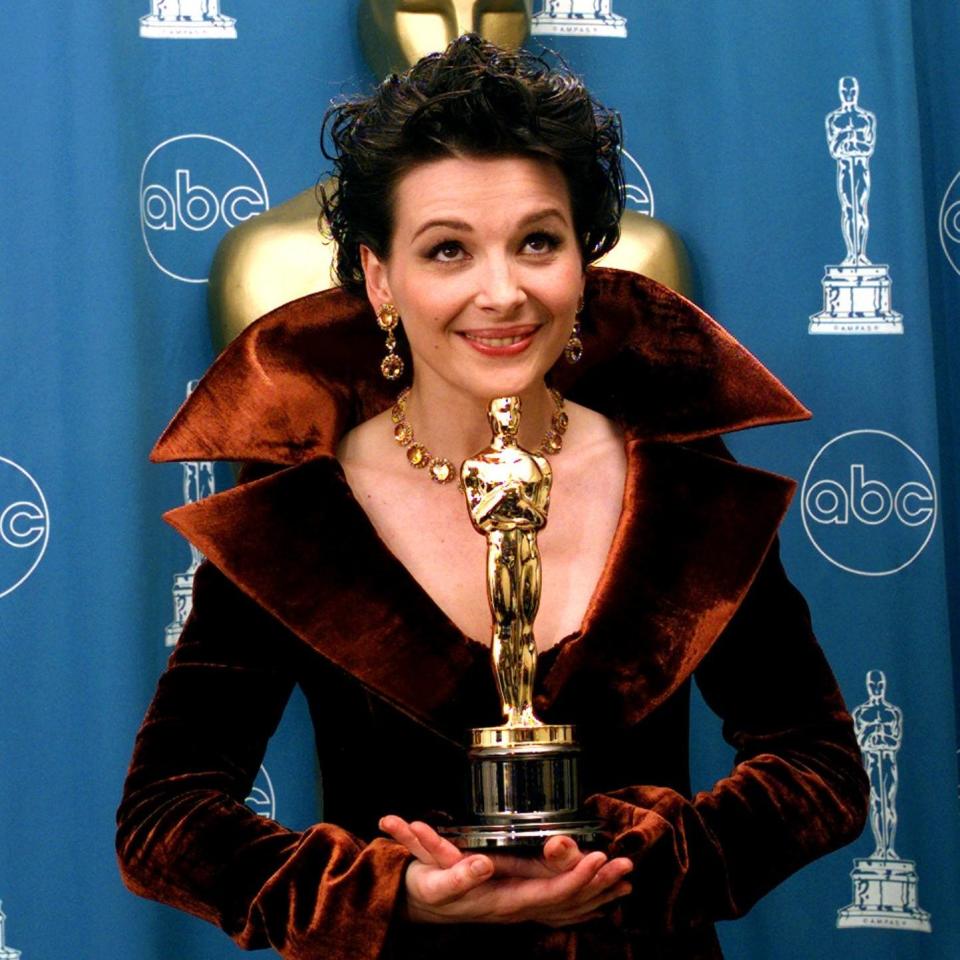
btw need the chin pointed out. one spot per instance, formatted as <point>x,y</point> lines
<point>504,385</point>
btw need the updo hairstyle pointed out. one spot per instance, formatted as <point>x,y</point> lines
<point>473,99</point>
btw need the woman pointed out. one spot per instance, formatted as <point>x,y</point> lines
<point>473,191</point>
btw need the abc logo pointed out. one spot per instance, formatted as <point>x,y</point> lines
<point>639,191</point>
<point>262,799</point>
<point>24,525</point>
<point>869,503</point>
<point>193,188</point>
<point>950,223</point>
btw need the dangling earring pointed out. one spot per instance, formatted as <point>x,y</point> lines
<point>573,351</point>
<point>391,366</point>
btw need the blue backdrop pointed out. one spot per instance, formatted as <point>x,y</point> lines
<point>129,148</point>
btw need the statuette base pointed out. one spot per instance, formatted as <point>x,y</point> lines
<point>521,837</point>
<point>582,25</point>
<point>885,895</point>
<point>153,28</point>
<point>525,788</point>
<point>856,299</point>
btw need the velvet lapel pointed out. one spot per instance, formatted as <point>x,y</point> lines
<point>694,531</point>
<point>692,535</point>
<point>299,545</point>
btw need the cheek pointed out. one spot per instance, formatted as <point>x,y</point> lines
<point>564,297</point>
<point>429,307</point>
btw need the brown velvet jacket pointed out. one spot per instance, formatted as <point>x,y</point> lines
<point>299,589</point>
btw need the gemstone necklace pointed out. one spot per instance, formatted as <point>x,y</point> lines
<point>442,470</point>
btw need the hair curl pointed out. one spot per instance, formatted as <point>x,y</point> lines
<point>473,99</point>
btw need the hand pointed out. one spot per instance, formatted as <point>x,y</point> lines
<point>564,887</point>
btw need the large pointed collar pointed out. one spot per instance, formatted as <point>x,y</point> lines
<point>693,532</point>
<point>298,378</point>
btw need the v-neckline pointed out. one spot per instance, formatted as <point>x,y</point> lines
<point>546,657</point>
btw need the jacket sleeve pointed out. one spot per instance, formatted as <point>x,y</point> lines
<point>185,836</point>
<point>797,791</point>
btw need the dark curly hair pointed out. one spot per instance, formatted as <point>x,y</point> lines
<point>473,99</point>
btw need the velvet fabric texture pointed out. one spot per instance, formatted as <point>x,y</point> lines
<point>298,588</point>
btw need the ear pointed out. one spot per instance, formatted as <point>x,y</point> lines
<point>375,277</point>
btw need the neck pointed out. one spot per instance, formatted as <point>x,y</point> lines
<point>454,424</point>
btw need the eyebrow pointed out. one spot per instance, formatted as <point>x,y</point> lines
<point>544,214</point>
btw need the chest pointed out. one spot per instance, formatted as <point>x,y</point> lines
<point>428,530</point>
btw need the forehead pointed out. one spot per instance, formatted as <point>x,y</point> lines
<point>480,190</point>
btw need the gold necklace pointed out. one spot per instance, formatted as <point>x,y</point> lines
<point>442,470</point>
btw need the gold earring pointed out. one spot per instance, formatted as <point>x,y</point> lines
<point>573,351</point>
<point>391,366</point>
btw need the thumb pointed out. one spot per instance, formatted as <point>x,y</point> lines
<point>453,882</point>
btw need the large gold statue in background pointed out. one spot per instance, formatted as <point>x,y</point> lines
<point>508,495</point>
<point>281,255</point>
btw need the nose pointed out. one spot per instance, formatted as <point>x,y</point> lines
<point>499,290</point>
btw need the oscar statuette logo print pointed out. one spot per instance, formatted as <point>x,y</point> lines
<point>24,525</point>
<point>869,503</point>
<point>856,291</point>
<point>884,884</point>
<point>950,223</point>
<point>262,800</point>
<point>578,18</point>
<point>639,190</point>
<point>193,188</point>
<point>6,953</point>
<point>187,20</point>
<point>198,482</point>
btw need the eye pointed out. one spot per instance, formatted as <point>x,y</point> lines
<point>446,251</point>
<point>541,242</point>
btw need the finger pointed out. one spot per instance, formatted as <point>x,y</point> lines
<point>580,874</point>
<point>609,874</point>
<point>589,909</point>
<point>561,853</point>
<point>607,896</point>
<point>444,853</point>
<point>561,888</point>
<point>399,829</point>
<point>530,868</point>
<point>441,886</point>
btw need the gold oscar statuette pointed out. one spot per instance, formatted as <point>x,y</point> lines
<point>524,774</point>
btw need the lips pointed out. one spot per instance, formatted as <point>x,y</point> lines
<point>500,341</point>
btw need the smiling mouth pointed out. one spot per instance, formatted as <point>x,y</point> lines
<point>495,340</point>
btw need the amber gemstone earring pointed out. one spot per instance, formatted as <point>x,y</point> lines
<point>573,351</point>
<point>387,318</point>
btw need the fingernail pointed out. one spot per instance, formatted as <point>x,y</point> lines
<point>561,848</point>
<point>478,868</point>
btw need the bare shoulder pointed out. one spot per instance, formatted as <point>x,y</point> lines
<point>367,454</point>
<point>366,443</point>
<point>592,433</point>
<point>593,461</point>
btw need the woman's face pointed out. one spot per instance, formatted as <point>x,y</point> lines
<point>484,269</point>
